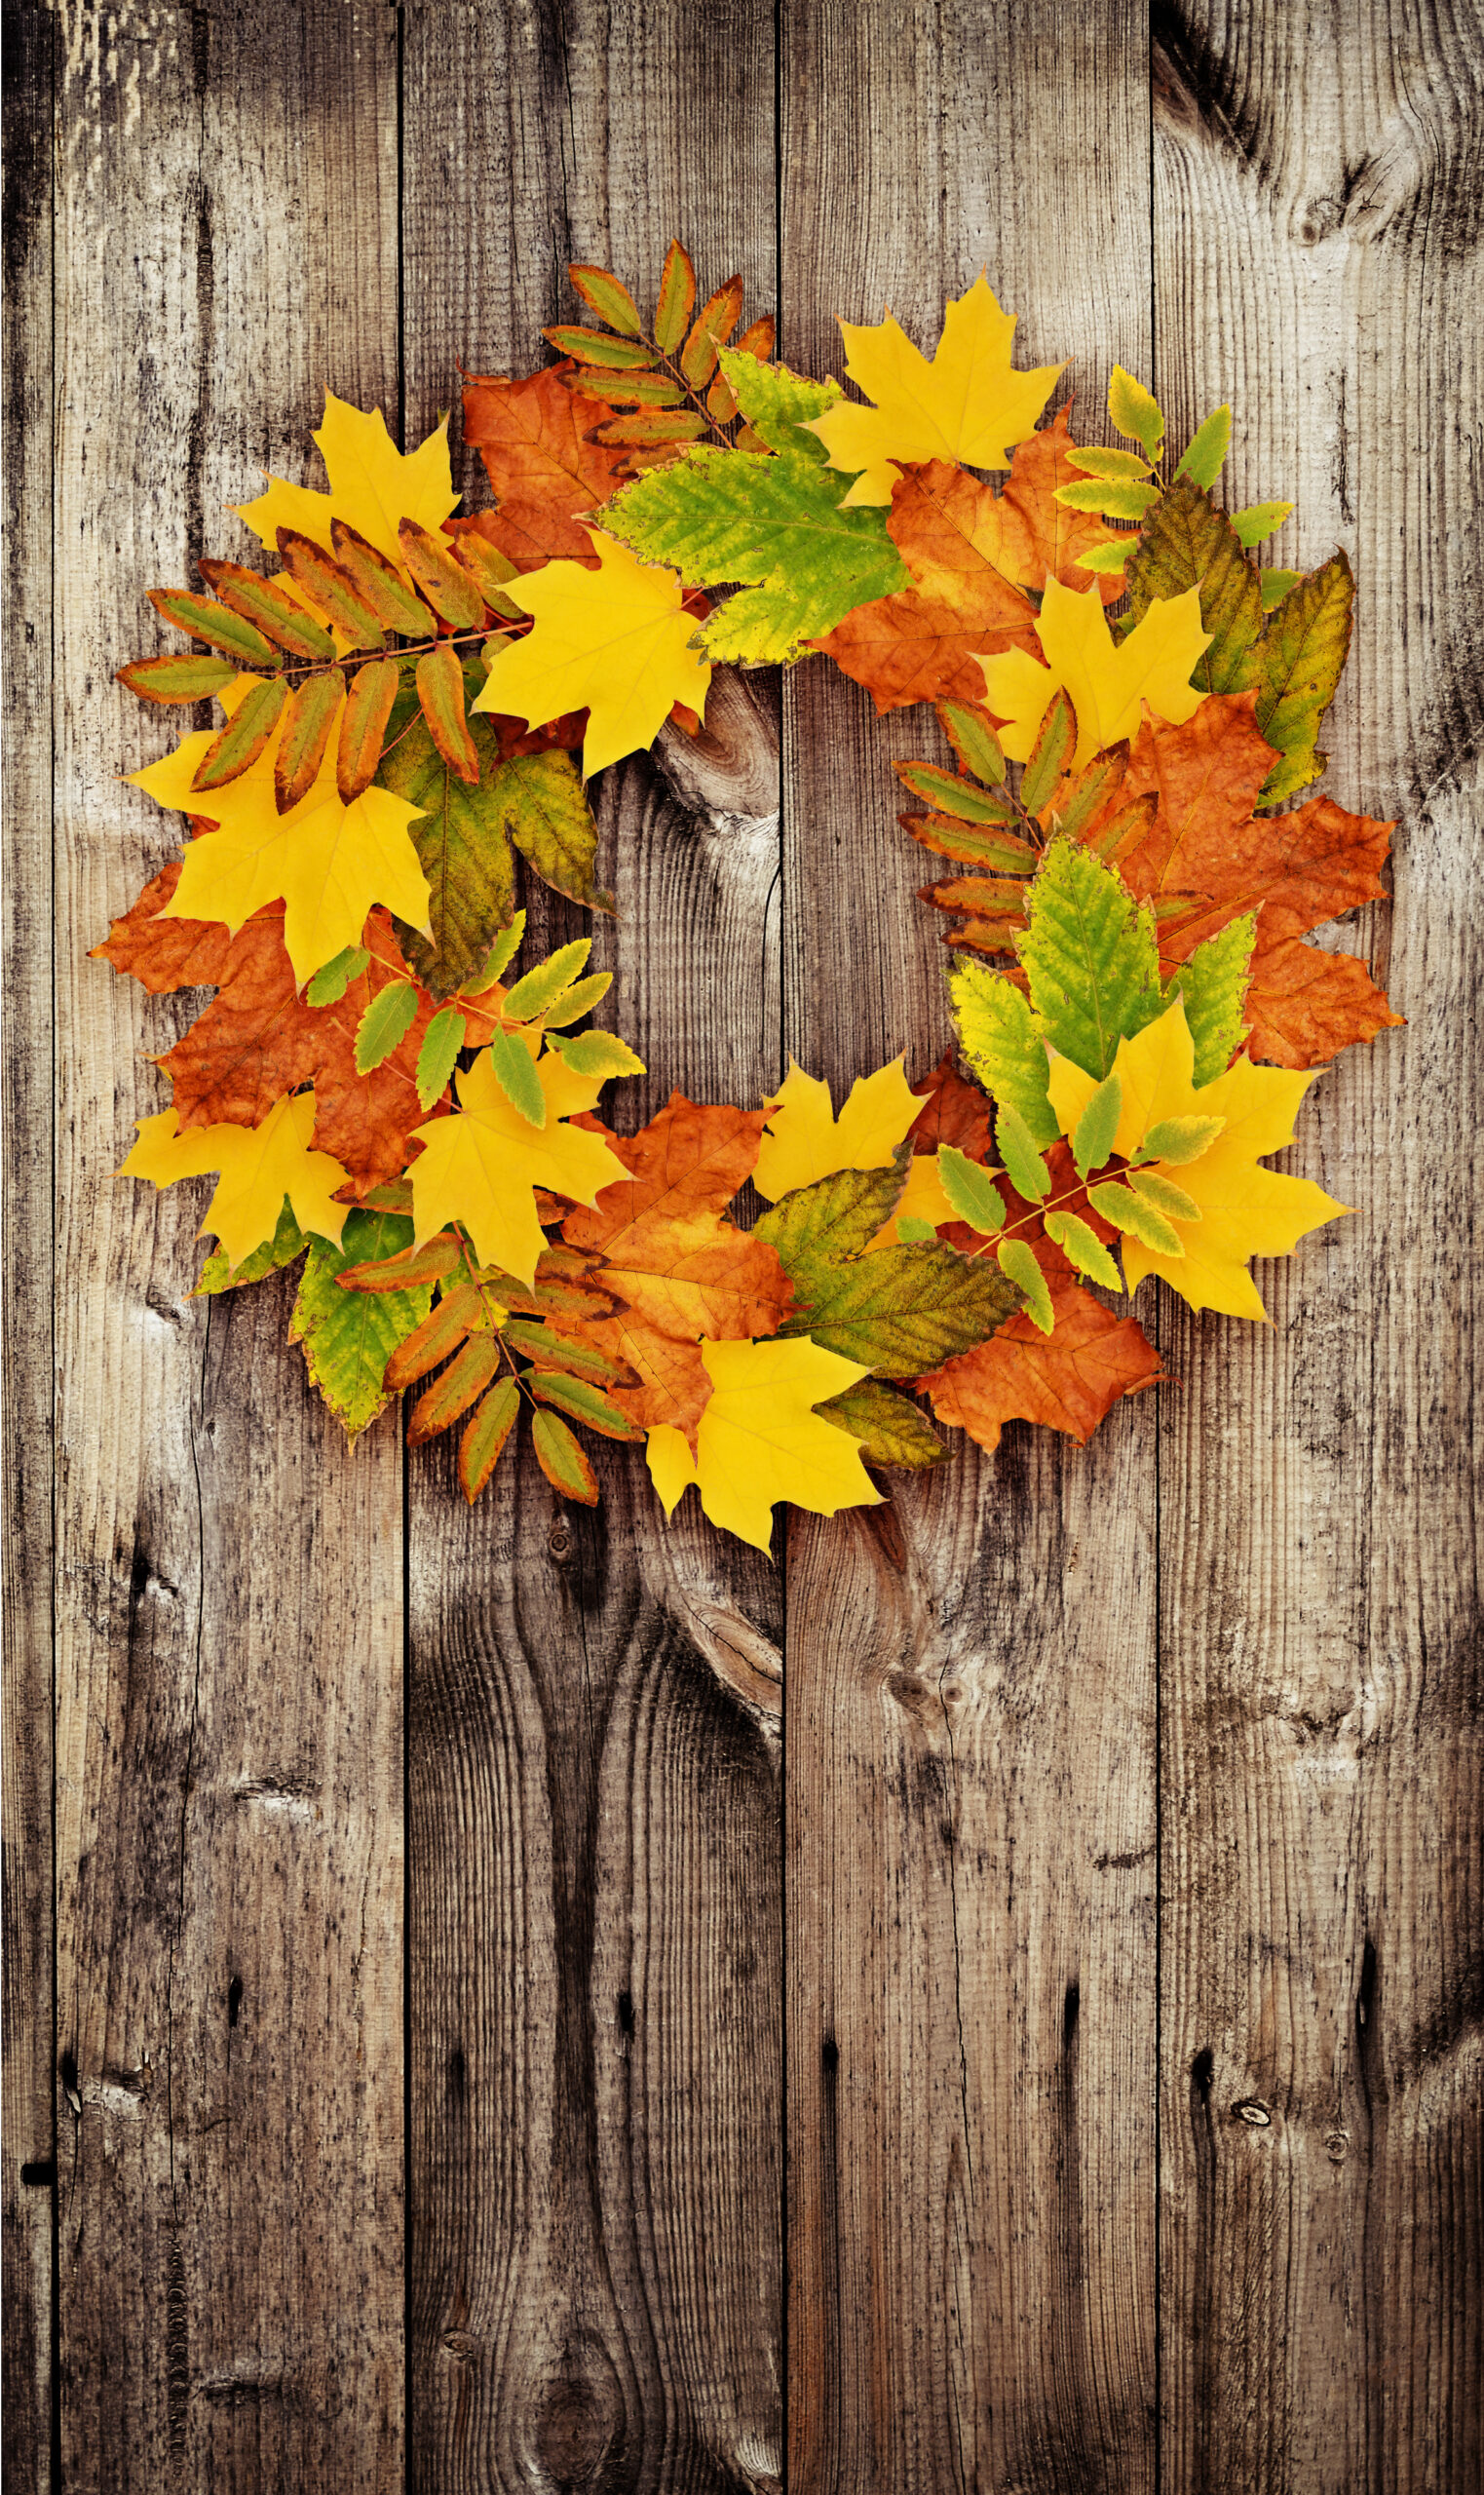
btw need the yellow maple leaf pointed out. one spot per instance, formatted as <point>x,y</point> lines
<point>759,1438</point>
<point>966,406</point>
<point>1107,683</point>
<point>373,485</point>
<point>257,1168</point>
<point>480,1165</point>
<point>803,1140</point>
<point>614,642</point>
<point>1242,1210</point>
<point>326,861</point>
<point>922,1199</point>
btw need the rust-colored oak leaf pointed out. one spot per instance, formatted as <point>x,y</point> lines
<point>1069,1379</point>
<point>165,953</point>
<point>532,438</point>
<point>670,1255</point>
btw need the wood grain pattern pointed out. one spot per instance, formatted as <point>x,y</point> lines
<point>595,1939</point>
<point>1317,220</point>
<point>28,2184</point>
<point>971,1799</point>
<point>229,1757</point>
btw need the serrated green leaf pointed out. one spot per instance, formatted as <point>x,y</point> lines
<point>970,1190</point>
<point>973,741</point>
<point>516,1071</point>
<point>1002,1045</point>
<point>329,984</point>
<point>349,1335</point>
<point>1299,661</point>
<point>543,983</point>
<point>581,1401</point>
<point>1164,1194</point>
<point>1214,985</point>
<point>1024,1167</point>
<point>1093,1137</point>
<point>912,1229</point>
<point>838,1216</point>
<point>575,1001</point>
<point>1179,1140</point>
<point>498,959</point>
<point>1017,1263</point>
<point>464,835</point>
<point>1090,958</point>
<point>1122,467</point>
<point>439,1055</point>
<point>288,1241</point>
<point>963,800</point>
<point>1050,756</point>
<point>775,523</point>
<point>893,1431</point>
<point>1133,1213</point>
<point>1113,499</point>
<point>1082,1247</point>
<point>1206,452</point>
<point>899,1311</point>
<point>1259,521</point>
<point>1110,555</point>
<point>598,1056</point>
<point>776,403</point>
<point>1186,543</point>
<point>384,1024</point>
<point>1135,411</point>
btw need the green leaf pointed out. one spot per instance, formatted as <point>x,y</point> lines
<point>1087,794</point>
<point>1109,556</point>
<point>891,1430</point>
<point>1002,1045</point>
<point>1122,466</point>
<point>1019,1266</point>
<point>1299,659</point>
<point>563,1460</point>
<point>537,1342</point>
<point>349,1335</point>
<point>1090,958</point>
<point>1164,1195</point>
<point>186,677</point>
<point>498,959</point>
<point>899,1311</point>
<point>329,984</point>
<point>484,1441</point>
<point>1178,1140</point>
<point>288,1241</point>
<point>1277,586</point>
<point>973,741</point>
<point>545,982</point>
<point>1082,1247</point>
<point>384,1024</point>
<point>1206,452</point>
<point>1214,985</point>
<point>1187,543</point>
<point>462,840</point>
<point>912,1229</point>
<point>1024,1167</point>
<point>837,1216</point>
<point>1001,853</point>
<point>607,296</point>
<point>775,523</point>
<point>592,346</point>
<point>677,298</point>
<point>1128,1211</point>
<point>1113,500</point>
<point>1259,521</point>
<point>970,1190</point>
<point>1050,756</point>
<point>963,800</point>
<point>776,403</point>
<point>244,735</point>
<point>598,1056</point>
<point>1135,411</point>
<point>575,1001</point>
<point>1092,1139</point>
<point>439,1055</point>
<point>205,620</point>
<point>581,1401</point>
<point>515,1070</point>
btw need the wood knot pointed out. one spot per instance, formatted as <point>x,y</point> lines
<point>1252,2111</point>
<point>1337,2146</point>
<point>572,2430</point>
<point>559,1539</point>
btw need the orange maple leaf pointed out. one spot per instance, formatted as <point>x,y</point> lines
<point>674,1388</point>
<point>1069,1379</point>
<point>955,1112</point>
<point>1039,539</point>
<point>532,438</point>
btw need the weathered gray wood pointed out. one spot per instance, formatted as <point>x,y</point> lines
<point>229,1589</point>
<point>595,1886</point>
<point>970,1794</point>
<point>28,2187</point>
<point>1317,197</point>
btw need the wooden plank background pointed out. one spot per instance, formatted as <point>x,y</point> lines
<point>464,2031</point>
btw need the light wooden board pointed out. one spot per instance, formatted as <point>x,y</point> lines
<point>229,1590</point>
<point>596,1924</point>
<point>970,1728</point>
<point>1317,216</point>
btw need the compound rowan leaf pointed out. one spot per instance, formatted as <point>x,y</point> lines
<point>614,642</point>
<point>188,677</point>
<point>1186,543</point>
<point>805,1140</point>
<point>373,485</point>
<point>759,1440</point>
<point>1107,683</point>
<point>967,405</point>
<point>671,1257</point>
<point>349,1335</point>
<point>256,1168</point>
<point>533,437</point>
<point>563,1460</point>
<point>480,1168</point>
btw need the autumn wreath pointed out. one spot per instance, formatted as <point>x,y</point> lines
<point>1131,701</point>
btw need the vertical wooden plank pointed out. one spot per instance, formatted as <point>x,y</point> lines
<point>595,1929</point>
<point>29,2191</point>
<point>1318,180</point>
<point>971,1786</point>
<point>229,1782</point>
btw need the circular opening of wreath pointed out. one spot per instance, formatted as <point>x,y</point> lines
<point>383,1086</point>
